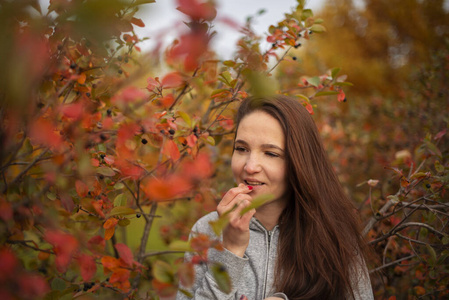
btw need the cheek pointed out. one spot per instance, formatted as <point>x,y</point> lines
<point>235,166</point>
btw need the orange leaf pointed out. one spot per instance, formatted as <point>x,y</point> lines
<point>82,78</point>
<point>171,150</point>
<point>81,188</point>
<point>172,80</point>
<point>109,227</point>
<point>137,22</point>
<point>110,263</point>
<point>43,132</point>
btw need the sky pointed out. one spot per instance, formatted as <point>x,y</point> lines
<point>162,16</point>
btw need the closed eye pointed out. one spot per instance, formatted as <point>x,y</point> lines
<point>239,149</point>
<point>272,154</point>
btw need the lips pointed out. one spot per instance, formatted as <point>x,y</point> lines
<point>253,182</point>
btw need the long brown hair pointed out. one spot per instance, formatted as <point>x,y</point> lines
<point>320,242</point>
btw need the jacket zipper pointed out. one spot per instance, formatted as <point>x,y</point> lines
<point>266,266</point>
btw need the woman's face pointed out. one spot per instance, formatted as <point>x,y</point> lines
<point>259,155</point>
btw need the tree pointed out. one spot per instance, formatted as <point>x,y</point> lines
<point>88,156</point>
<point>389,141</point>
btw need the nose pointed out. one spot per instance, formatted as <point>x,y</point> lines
<point>252,164</point>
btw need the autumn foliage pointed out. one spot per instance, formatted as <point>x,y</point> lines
<point>109,153</point>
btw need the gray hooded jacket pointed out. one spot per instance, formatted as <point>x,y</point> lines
<point>252,275</point>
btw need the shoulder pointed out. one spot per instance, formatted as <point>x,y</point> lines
<point>203,226</point>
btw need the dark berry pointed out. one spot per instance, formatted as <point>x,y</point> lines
<point>310,32</point>
<point>171,131</point>
<point>428,186</point>
<point>144,141</point>
<point>102,156</point>
<point>72,66</point>
<point>101,177</point>
<point>59,47</point>
<point>88,94</point>
<point>298,45</point>
<point>120,71</point>
<point>138,215</point>
<point>273,45</point>
<point>294,58</point>
<point>162,131</point>
<point>109,112</point>
<point>94,86</point>
<point>103,137</point>
<point>40,105</point>
<point>195,129</point>
<point>119,58</point>
<point>126,59</point>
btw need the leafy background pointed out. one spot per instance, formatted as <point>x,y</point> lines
<point>110,153</point>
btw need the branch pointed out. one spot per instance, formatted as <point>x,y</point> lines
<point>161,253</point>
<point>26,169</point>
<point>391,263</point>
<point>25,243</point>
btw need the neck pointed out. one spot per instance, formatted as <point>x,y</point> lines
<point>269,213</point>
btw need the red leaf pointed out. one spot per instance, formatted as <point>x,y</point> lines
<point>186,274</point>
<point>171,150</point>
<point>81,188</point>
<point>167,100</point>
<point>137,22</point>
<point>125,254</point>
<point>128,95</point>
<point>6,212</point>
<point>172,80</point>
<point>8,263</point>
<point>96,244</point>
<point>94,162</point>
<point>88,266</point>
<point>65,245</point>
<point>341,96</point>
<point>73,110</point>
<point>33,286</point>
<point>191,140</point>
<point>43,132</point>
<point>197,10</point>
<point>129,169</point>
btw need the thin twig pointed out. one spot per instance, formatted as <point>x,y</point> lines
<point>391,263</point>
<point>161,253</point>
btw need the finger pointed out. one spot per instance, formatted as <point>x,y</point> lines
<point>233,205</point>
<point>232,193</point>
<point>236,219</point>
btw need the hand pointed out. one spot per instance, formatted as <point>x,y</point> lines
<point>236,234</point>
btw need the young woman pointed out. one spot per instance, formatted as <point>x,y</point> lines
<point>305,243</point>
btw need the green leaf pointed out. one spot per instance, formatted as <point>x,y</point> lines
<point>319,21</point>
<point>315,81</point>
<point>124,222</point>
<point>221,277</point>
<point>445,240</point>
<point>219,224</point>
<point>439,167</point>
<point>257,202</point>
<point>51,196</point>
<point>141,2</point>
<point>318,28</point>
<point>326,93</point>
<point>121,211</point>
<point>226,78</point>
<point>163,272</point>
<point>106,171</point>
<point>304,97</point>
<point>210,140</point>
<point>229,63</point>
<point>58,284</point>
<point>335,72</point>
<point>186,118</point>
<point>180,245</point>
<point>120,200</point>
<point>343,84</point>
<point>119,186</point>
<point>433,255</point>
<point>306,13</point>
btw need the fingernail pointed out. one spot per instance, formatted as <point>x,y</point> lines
<point>250,187</point>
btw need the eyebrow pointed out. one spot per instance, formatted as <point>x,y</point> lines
<point>263,145</point>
